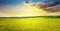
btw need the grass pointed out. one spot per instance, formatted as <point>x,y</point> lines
<point>42,23</point>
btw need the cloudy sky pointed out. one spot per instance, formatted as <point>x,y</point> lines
<point>16,8</point>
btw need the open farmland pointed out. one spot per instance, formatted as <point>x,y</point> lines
<point>42,23</point>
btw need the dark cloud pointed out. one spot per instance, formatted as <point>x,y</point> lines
<point>53,2</point>
<point>50,5</point>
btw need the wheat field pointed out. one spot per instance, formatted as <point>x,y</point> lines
<point>30,24</point>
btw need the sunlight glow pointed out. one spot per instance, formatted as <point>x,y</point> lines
<point>32,11</point>
<point>22,11</point>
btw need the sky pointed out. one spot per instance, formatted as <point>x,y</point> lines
<point>15,7</point>
<point>11,2</point>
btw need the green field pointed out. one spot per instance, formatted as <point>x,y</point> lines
<point>30,23</point>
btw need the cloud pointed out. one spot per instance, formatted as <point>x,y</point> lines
<point>50,5</point>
